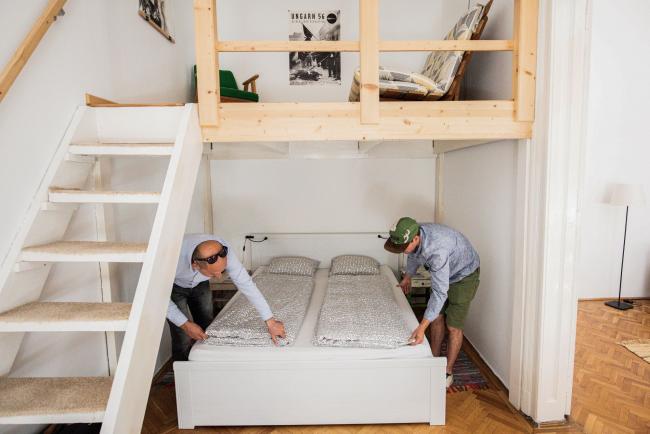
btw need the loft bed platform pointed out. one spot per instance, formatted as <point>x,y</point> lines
<point>370,119</point>
<point>421,120</point>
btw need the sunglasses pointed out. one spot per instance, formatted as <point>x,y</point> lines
<point>214,258</point>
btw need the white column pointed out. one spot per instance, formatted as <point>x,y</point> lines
<point>550,176</point>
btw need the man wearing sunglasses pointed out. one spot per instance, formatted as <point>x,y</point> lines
<point>202,257</point>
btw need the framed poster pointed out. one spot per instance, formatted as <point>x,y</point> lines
<point>153,11</point>
<point>314,68</point>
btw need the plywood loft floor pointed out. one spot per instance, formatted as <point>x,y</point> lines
<point>482,411</point>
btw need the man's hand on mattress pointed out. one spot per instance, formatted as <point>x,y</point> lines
<point>276,329</point>
<point>417,337</point>
<point>405,284</point>
<point>194,331</point>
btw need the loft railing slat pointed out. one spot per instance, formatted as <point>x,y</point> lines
<point>207,62</point>
<point>369,55</point>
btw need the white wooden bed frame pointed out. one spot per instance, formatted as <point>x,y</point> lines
<point>323,392</point>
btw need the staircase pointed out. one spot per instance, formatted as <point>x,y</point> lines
<point>119,399</point>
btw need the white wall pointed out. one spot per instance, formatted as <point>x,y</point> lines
<point>354,195</point>
<point>617,151</point>
<point>263,19</point>
<point>479,200</point>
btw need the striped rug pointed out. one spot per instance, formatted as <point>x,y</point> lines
<point>466,374</point>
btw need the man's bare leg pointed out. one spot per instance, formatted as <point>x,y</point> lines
<point>437,335</point>
<point>453,347</point>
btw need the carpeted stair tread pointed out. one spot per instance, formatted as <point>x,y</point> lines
<point>42,397</point>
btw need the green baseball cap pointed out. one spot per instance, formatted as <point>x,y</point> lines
<point>401,235</point>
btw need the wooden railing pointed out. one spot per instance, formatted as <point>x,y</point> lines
<point>29,44</point>
<point>368,119</point>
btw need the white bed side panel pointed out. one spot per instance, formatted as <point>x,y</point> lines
<point>309,393</point>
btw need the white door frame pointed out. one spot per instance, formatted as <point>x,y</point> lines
<point>550,172</point>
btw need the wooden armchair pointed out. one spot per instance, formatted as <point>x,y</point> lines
<point>230,91</point>
<point>453,94</point>
<point>443,72</point>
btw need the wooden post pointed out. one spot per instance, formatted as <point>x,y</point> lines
<point>524,59</point>
<point>207,62</point>
<point>369,53</point>
<point>439,211</point>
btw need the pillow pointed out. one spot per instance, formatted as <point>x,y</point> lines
<point>354,264</point>
<point>293,265</point>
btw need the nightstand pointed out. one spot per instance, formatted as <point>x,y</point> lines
<point>420,289</point>
<point>222,291</point>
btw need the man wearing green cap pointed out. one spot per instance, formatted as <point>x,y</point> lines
<point>454,267</point>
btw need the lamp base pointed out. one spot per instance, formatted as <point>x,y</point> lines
<point>620,305</point>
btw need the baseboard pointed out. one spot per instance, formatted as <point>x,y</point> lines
<point>613,298</point>
<point>480,362</point>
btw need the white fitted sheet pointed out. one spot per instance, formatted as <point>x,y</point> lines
<point>303,349</point>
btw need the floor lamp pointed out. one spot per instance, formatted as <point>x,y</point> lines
<point>624,195</point>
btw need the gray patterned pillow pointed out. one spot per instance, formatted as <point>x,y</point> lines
<point>354,265</point>
<point>293,265</point>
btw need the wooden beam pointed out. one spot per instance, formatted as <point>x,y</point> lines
<point>451,45</point>
<point>353,46</point>
<point>29,44</point>
<point>369,54</point>
<point>286,46</point>
<point>421,120</point>
<point>524,64</point>
<point>205,30</point>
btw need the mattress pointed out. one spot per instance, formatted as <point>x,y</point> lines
<point>361,312</point>
<point>238,323</point>
<point>303,348</point>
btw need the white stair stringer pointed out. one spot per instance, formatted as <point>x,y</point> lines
<point>132,381</point>
<point>97,132</point>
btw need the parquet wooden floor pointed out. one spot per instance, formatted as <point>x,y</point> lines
<point>484,411</point>
<point>611,390</point>
<point>611,385</point>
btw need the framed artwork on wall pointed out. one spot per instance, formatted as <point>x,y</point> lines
<point>153,12</point>
<point>314,68</point>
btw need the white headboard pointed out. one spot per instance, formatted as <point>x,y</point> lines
<point>321,246</point>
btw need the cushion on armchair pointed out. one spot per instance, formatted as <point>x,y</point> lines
<point>441,66</point>
<point>396,84</point>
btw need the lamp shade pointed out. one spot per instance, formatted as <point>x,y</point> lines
<point>626,195</point>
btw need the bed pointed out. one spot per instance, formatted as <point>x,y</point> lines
<point>304,384</point>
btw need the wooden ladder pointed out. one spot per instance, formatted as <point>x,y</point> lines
<point>119,399</point>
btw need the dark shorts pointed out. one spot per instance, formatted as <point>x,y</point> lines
<point>459,297</point>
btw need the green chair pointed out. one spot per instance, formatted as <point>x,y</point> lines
<point>229,90</point>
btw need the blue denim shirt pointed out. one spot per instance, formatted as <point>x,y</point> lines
<point>448,256</point>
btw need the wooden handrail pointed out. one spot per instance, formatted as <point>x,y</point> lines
<point>29,44</point>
